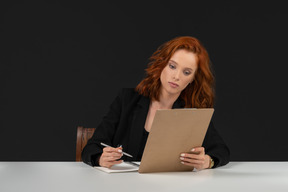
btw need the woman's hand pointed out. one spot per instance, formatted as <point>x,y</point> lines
<point>110,157</point>
<point>197,158</point>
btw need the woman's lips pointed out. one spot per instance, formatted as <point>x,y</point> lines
<point>173,85</point>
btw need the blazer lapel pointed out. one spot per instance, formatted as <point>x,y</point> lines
<point>138,123</point>
<point>137,126</point>
<point>179,103</point>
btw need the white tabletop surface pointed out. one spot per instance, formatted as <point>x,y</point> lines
<point>77,176</point>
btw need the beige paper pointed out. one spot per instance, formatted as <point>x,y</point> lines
<point>174,131</point>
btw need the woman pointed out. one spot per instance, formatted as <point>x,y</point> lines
<point>178,76</point>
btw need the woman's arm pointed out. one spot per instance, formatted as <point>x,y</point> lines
<point>213,147</point>
<point>103,133</point>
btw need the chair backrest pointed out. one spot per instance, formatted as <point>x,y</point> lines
<point>83,135</point>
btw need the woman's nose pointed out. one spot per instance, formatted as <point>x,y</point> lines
<point>176,75</point>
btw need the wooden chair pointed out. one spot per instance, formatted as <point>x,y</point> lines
<point>83,135</point>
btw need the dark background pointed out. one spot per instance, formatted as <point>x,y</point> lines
<point>62,65</point>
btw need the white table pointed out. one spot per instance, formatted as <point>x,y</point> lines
<point>77,176</point>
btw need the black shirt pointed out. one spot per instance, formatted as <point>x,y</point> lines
<point>142,144</point>
<point>124,124</point>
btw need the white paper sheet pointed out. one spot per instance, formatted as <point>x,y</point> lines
<point>123,167</point>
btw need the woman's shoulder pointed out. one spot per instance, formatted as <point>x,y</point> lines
<point>129,97</point>
<point>128,94</point>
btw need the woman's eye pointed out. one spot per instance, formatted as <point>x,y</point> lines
<point>172,66</point>
<point>187,72</point>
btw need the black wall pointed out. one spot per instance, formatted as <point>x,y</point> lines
<point>62,65</point>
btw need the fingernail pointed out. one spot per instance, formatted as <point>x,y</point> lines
<point>193,149</point>
<point>182,155</point>
<point>120,151</point>
<point>182,158</point>
<point>182,162</point>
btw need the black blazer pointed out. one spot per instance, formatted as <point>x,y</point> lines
<point>124,124</point>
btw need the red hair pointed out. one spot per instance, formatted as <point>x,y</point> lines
<point>198,94</point>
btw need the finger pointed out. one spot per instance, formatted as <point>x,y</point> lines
<point>193,156</point>
<point>113,153</point>
<point>116,154</point>
<point>109,164</point>
<point>198,150</point>
<point>111,149</point>
<point>108,155</point>
<point>197,163</point>
<point>193,161</point>
<point>112,158</point>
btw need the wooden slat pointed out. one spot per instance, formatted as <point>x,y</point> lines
<point>83,135</point>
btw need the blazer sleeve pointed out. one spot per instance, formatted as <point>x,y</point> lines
<point>103,133</point>
<point>215,147</point>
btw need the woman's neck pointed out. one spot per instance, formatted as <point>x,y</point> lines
<point>166,101</point>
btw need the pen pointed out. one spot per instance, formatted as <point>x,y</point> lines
<point>124,153</point>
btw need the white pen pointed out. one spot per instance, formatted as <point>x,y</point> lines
<point>124,153</point>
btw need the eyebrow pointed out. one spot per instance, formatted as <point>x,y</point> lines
<point>177,64</point>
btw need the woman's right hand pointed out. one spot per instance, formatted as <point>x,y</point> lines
<point>110,157</point>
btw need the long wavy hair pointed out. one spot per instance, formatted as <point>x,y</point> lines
<point>198,94</point>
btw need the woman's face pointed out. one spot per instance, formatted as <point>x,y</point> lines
<point>179,72</point>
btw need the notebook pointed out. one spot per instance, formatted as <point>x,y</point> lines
<point>174,131</point>
<point>119,168</point>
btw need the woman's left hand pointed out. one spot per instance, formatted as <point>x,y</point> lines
<point>197,158</point>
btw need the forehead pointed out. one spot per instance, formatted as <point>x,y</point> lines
<point>184,58</point>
